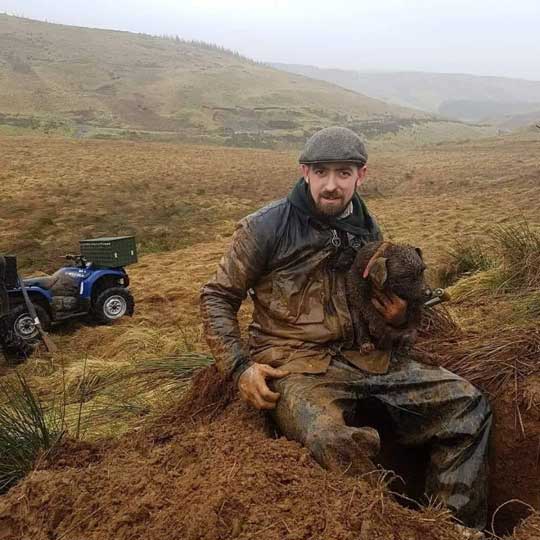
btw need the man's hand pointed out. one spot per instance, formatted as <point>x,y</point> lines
<point>253,388</point>
<point>391,307</point>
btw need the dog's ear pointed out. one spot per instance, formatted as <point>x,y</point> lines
<point>378,273</point>
<point>419,251</point>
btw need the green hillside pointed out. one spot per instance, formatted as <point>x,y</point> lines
<point>100,83</point>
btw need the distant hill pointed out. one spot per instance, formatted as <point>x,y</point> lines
<point>496,100</point>
<point>89,82</point>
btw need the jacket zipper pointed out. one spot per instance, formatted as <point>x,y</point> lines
<point>344,328</point>
<point>336,240</point>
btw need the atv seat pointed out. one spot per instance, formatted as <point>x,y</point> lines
<point>45,282</point>
<point>61,283</point>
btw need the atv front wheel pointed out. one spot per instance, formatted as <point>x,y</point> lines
<point>20,334</point>
<point>113,304</point>
<point>24,326</point>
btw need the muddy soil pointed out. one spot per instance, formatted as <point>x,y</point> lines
<point>515,457</point>
<point>210,469</point>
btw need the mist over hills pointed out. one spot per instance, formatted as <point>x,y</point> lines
<point>499,101</point>
<point>102,83</point>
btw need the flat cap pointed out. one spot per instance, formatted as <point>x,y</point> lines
<point>334,144</point>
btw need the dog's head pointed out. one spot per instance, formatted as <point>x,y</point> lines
<point>398,268</point>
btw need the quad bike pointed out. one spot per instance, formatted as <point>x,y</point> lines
<point>77,290</point>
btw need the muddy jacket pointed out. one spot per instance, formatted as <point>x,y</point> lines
<point>289,263</point>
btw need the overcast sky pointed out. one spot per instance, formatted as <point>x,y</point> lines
<point>484,37</point>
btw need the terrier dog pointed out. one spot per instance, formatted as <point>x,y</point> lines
<point>383,268</point>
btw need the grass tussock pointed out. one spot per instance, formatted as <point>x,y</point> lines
<point>438,322</point>
<point>508,262</point>
<point>27,430</point>
<point>500,360</point>
<point>97,400</point>
<point>475,285</point>
<point>527,307</point>
<point>519,250</point>
<point>107,400</point>
<point>465,259</point>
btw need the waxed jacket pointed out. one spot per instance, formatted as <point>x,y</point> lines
<point>285,260</point>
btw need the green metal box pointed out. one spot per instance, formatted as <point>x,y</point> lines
<point>111,252</point>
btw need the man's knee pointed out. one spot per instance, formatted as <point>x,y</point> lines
<point>312,415</point>
<point>295,413</point>
<point>476,407</point>
<point>465,389</point>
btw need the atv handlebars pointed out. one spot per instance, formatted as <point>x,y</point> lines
<point>79,259</point>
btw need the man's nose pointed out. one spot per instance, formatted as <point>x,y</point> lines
<point>331,183</point>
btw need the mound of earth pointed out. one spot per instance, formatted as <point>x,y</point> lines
<point>212,469</point>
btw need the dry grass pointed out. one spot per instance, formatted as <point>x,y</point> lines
<point>465,259</point>
<point>498,355</point>
<point>509,354</point>
<point>529,529</point>
<point>54,192</point>
<point>27,429</point>
<point>519,248</point>
<point>86,188</point>
<point>477,285</point>
<point>438,322</point>
<point>114,378</point>
<point>504,268</point>
<point>502,350</point>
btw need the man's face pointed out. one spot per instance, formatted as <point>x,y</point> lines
<point>332,185</point>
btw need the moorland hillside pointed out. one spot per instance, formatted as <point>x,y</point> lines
<point>86,82</point>
<point>501,101</point>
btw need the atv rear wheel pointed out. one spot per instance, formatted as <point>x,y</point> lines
<point>113,304</point>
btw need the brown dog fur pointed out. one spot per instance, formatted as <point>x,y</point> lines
<point>399,269</point>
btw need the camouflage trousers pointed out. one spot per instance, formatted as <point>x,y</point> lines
<point>425,406</point>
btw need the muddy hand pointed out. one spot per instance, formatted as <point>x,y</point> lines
<point>391,307</point>
<point>253,388</point>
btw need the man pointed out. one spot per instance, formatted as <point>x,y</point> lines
<point>292,257</point>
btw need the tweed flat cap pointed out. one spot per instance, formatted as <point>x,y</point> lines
<point>334,144</point>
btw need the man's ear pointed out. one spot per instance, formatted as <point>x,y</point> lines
<point>305,171</point>
<point>362,175</point>
<point>378,273</point>
<point>419,251</point>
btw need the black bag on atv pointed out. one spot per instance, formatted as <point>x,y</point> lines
<point>12,346</point>
<point>4,299</point>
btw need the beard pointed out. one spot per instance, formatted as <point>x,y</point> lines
<point>330,204</point>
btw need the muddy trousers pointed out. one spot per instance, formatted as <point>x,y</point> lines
<point>425,405</point>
